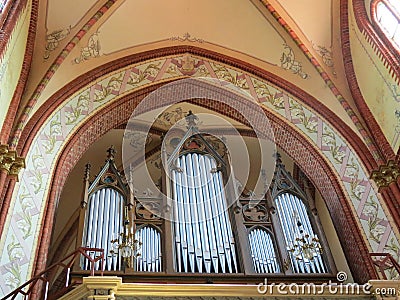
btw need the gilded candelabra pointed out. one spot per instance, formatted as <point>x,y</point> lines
<point>126,245</point>
<point>304,245</point>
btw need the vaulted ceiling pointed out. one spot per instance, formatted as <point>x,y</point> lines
<point>74,37</point>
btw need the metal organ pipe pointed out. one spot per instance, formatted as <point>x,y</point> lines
<point>202,231</point>
<point>100,223</point>
<point>106,225</point>
<point>188,227</point>
<point>224,214</point>
<point>287,226</point>
<point>272,256</point>
<point>318,266</point>
<point>103,221</point>
<point>192,204</point>
<point>93,234</point>
<point>291,210</point>
<point>214,215</point>
<point>262,251</point>
<point>208,219</point>
<point>205,242</point>
<point>150,258</point>
<point>111,260</point>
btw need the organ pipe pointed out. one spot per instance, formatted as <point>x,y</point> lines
<point>202,232</point>
<point>150,258</point>
<point>103,221</point>
<point>263,251</point>
<point>292,212</point>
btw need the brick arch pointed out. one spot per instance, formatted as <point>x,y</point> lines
<point>287,138</point>
<point>44,112</point>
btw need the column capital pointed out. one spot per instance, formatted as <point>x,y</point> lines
<point>10,161</point>
<point>386,174</point>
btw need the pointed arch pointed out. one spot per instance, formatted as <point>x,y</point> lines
<point>287,138</point>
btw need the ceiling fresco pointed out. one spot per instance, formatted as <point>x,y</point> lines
<point>239,29</point>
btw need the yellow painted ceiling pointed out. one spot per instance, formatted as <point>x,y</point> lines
<point>242,29</point>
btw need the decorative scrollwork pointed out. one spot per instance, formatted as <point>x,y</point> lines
<point>327,58</point>
<point>289,62</point>
<point>138,140</point>
<point>171,117</point>
<point>53,40</point>
<point>91,50</point>
<point>186,37</point>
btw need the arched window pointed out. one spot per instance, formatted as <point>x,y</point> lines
<point>387,16</point>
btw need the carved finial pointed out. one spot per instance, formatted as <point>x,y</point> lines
<point>131,198</point>
<point>191,119</point>
<point>85,192</point>
<point>278,159</point>
<point>111,153</point>
<point>87,172</point>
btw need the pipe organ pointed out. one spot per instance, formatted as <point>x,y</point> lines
<point>296,227</point>
<point>202,232</point>
<point>201,238</point>
<point>102,215</point>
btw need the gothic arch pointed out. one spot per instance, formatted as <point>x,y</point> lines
<point>310,152</point>
<point>287,138</point>
<point>37,120</point>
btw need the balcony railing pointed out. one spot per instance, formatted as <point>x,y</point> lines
<point>40,286</point>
